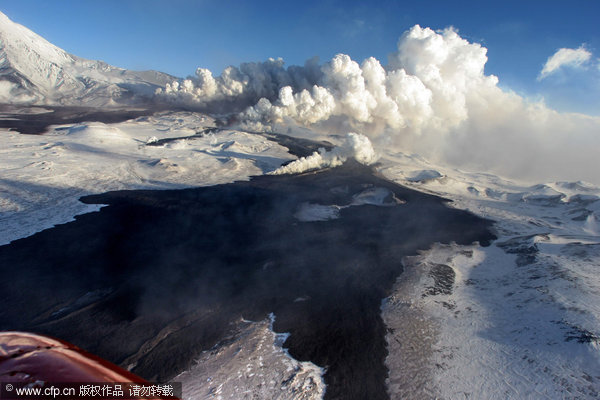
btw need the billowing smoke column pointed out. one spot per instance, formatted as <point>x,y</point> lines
<point>433,97</point>
<point>425,86</point>
<point>239,88</point>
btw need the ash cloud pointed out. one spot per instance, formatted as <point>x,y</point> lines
<point>433,98</point>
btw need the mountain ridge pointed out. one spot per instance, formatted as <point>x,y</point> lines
<point>35,71</point>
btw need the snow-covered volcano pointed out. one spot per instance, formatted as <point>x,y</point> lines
<point>34,71</point>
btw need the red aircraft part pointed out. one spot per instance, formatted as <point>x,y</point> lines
<point>29,358</point>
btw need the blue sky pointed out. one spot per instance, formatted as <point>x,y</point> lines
<point>177,36</point>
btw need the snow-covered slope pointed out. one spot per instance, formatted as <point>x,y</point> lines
<point>251,364</point>
<point>43,176</point>
<point>33,70</point>
<point>519,319</point>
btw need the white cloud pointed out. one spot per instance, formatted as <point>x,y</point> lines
<point>565,57</point>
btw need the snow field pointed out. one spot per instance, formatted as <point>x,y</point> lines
<point>43,176</point>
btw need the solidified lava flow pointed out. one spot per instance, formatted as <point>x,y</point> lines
<point>175,268</point>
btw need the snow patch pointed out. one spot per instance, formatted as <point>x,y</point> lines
<point>252,364</point>
<point>376,196</point>
<point>309,212</point>
<point>423,175</point>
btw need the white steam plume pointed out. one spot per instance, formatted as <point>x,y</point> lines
<point>433,97</point>
<point>239,87</point>
<point>355,146</point>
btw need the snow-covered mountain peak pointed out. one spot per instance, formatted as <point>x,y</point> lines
<point>21,44</point>
<point>33,70</point>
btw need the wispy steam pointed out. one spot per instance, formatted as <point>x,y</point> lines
<point>355,146</point>
<point>433,97</point>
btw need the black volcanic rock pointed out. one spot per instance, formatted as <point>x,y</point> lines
<point>158,276</point>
